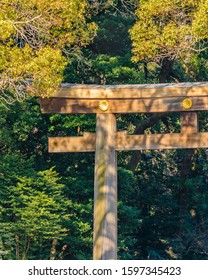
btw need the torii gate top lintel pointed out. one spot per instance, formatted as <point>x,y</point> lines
<point>67,90</point>
<point>147,98</point>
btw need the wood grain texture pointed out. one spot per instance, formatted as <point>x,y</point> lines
<point>125,142</point>
<point>85,143</point>
<point>189,122</point>
<point>154,105</point>
<point>161,141</point>
<point>105,190</point>
<point>132,91</point>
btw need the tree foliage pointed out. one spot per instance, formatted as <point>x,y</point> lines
<point>169,29</point>
<point>34,38</point>
<point>32,212</point>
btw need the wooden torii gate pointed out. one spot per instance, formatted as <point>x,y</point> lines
<point>105,101</point>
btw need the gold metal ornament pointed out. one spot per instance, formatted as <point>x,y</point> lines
<point>103,105</point>
<point>187,103</point>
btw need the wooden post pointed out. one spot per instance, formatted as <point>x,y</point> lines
<point>105,190</point>
<point>189,122</point>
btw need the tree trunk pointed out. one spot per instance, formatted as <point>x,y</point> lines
<point>53,249</point>
<point>166,69</point>
<point>145,71</point>
<point>63,249</point>
<point>17,246</point>
<point>26,247</point>
<point>185,169</point>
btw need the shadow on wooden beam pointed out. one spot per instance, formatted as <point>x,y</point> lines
<point>125,142</point>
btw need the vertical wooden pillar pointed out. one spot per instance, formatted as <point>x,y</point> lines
<point>105,190</point>
<point>189,122</point>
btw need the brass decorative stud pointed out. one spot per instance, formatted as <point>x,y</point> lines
<point>103,105</point>
<point>187,103</point>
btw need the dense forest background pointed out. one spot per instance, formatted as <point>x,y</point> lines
<point>46,200</point>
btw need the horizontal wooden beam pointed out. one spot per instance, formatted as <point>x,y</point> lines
<point>132,91</point>
<point>146,105</point>
<point>85,143</point>
<point>125,142</point>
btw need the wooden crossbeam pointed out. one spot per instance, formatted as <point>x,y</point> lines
<point>85,143</point>
<point>125,142</point>
<point>76,91</point>
<point>169,104</point>
<point>72,99</point>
